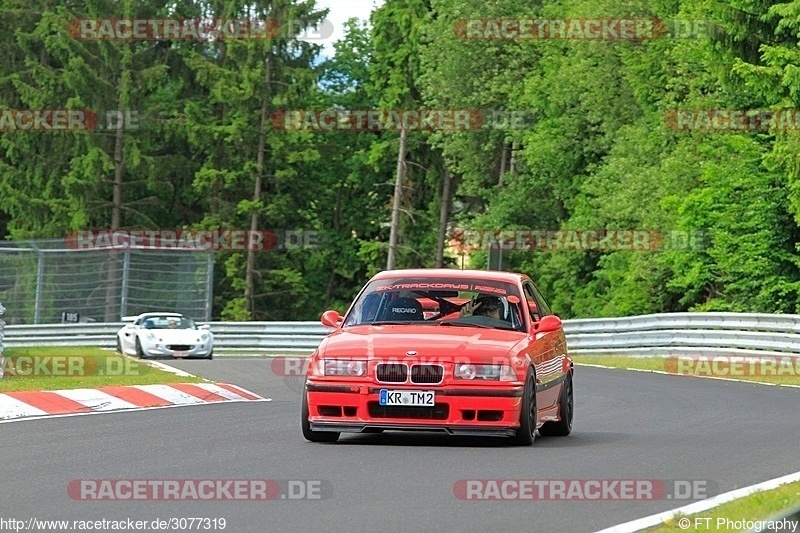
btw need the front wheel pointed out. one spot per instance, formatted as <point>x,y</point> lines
<point>563,427</point>
<point>139,351</point>
<point>119,347</point>
<point>527,415</point>
<point>314,436</point>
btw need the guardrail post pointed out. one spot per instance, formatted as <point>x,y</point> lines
<point>2,334</point>
<point>209,286</point>
<point>126,269</point>
<point>39,282</point>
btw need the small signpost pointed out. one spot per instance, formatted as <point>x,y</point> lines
<point>69,317</point>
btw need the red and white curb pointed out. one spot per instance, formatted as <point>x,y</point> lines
<point>25,405</point>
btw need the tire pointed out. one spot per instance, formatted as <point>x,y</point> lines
<point>527,415</point>
<point>566,409</point>
<point>139,351</point>
<point>119,347</point>
<point>314,436</point>
<point>210,355</point>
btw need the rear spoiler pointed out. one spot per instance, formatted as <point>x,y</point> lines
<point>128,318</point>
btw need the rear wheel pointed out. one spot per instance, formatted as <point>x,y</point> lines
<point>563,427</point>
<point>527,415</point>
<point>119,347</point>
<point>314,436</point>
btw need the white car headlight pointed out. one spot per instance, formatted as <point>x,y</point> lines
<point>347,368</point>
<point>204,337</point>
<point>485,372</point>
<point>150,336</point>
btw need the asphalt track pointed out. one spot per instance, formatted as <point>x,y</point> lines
<point>628,425</point>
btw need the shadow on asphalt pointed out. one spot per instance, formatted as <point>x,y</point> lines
<point>437,440</point>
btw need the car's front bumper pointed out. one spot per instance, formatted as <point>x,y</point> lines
<point>348,407</point>
<point>166,350</point>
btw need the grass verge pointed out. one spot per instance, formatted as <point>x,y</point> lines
<point>781,374</point>
<point>759,506</point>
<point>58,368</point>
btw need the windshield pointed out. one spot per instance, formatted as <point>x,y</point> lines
<point>440,302</point>
<point>167,322</point>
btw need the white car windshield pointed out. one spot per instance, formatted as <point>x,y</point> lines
<point>167,322</point>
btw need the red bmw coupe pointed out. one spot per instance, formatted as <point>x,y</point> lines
<point>465,352</point>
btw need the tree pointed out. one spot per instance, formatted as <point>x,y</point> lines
<point>244,81</point>
<point>394,69</point>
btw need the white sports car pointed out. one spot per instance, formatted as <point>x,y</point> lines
<point>164,335</point>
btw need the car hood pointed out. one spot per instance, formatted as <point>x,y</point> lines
<point>441,343</point>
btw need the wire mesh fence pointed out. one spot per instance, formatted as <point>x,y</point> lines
<point>43,281</point>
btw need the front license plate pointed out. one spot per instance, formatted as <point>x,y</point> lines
<point>181,354</point>
<point>410,398</point>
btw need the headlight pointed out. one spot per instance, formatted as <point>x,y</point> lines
<point>150,336</point>
<point>204,337</point>
<point>337,367</point>
<point>485,372</point>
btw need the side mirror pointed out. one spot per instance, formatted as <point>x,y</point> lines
<point>332,319</point>
<point>547,324</point>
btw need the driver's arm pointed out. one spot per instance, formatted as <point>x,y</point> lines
<point>469,308</point>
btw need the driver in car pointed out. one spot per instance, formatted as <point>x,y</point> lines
<point>490,306</point>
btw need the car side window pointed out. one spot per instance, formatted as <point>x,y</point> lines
<point>530,301</point>
<point>543,305</point>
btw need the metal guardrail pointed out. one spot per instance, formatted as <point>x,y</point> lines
<point>667,334</point>
<point>229,337</point>
<point>746,334</point>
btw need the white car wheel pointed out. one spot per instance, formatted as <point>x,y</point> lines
<point>139,352</point>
